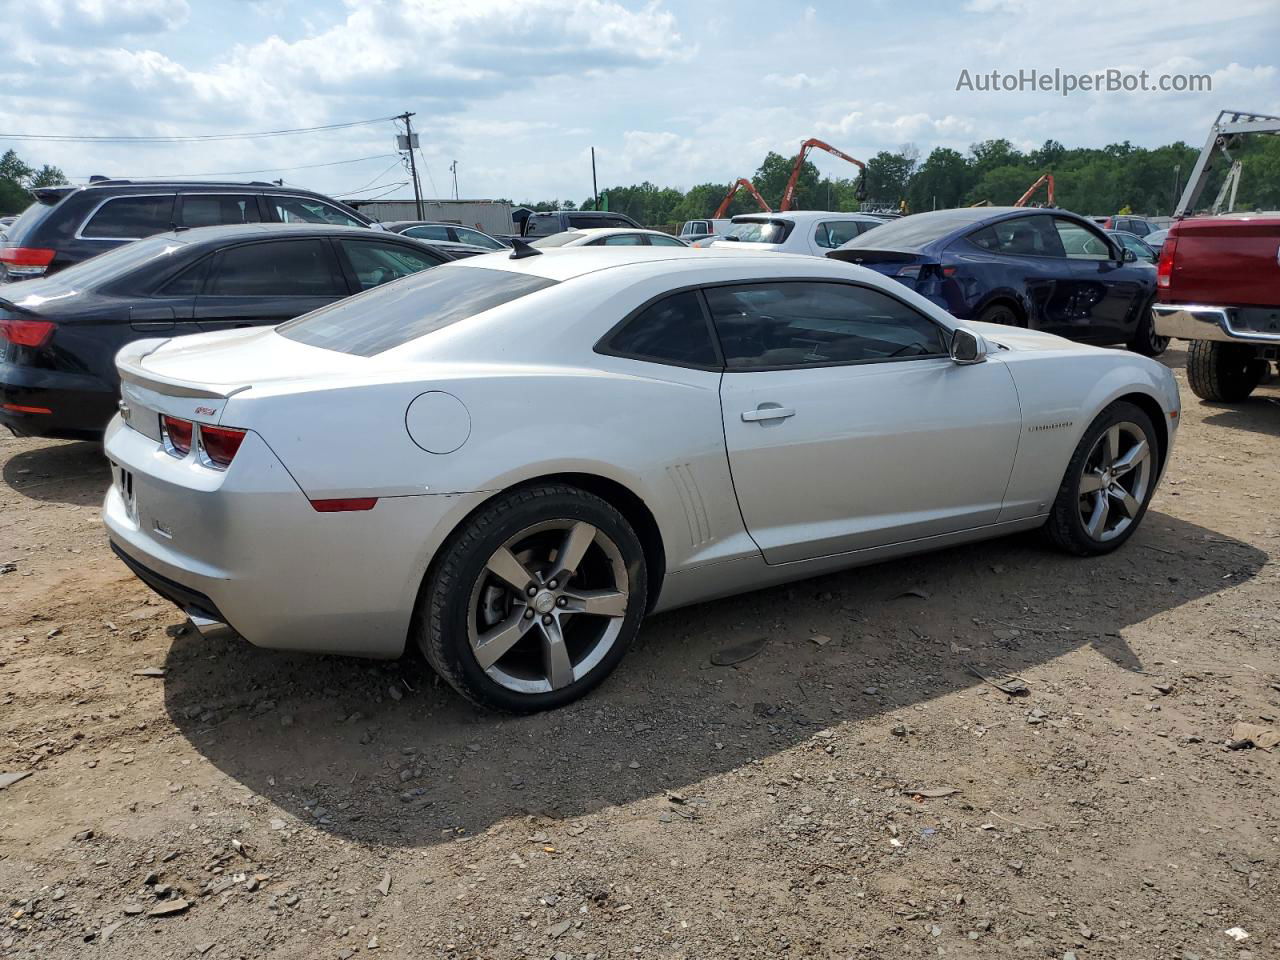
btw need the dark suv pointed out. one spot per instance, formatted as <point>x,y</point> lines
<point>545,224</point>
<point>67,225</point>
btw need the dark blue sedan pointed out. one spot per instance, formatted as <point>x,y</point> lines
<point>1044,269</point>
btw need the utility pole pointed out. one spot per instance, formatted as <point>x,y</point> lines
<point>1177,176</point>
<point>454,167</point>
<point>595,191</point>
<point>407,143</point>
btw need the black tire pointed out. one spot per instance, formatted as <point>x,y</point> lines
<point>1000,313</point>
<point>1145,339</point>
<point>445,604</point>
<point>1226,372</point>
<point>1065,526</point>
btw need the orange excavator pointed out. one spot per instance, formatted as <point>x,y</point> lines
<point>789,194</point>
<point>741,184</point>
<point>1046,181</point>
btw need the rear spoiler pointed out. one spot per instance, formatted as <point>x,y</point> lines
<point>129,364</point>
<point>51,195</point>
<point>875,256</point>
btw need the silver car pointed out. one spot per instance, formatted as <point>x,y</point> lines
<point>510,460</point>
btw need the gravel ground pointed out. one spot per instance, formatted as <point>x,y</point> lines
<point>856,790</point>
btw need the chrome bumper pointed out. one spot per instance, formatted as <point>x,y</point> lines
<point>1193,322</point>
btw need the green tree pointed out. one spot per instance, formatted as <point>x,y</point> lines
<point>941,182</point>
<point>889,176</point>
<point>771,180</point>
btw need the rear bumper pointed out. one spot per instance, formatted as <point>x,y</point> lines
<point>1225,324</point>
<point>79,405</point>
<point>244,548</point>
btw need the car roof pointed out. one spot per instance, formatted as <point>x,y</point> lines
<point>802,216</point>
<point>566,263</point>
<point>251,231</point>
<point>606,231</point>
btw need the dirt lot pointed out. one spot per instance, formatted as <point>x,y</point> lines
<point>251,804</point>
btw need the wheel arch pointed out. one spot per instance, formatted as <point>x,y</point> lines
<point>1151,407</point>
<point>618,495</point>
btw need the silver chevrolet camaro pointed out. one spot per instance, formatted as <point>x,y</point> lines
<point>511,460</point>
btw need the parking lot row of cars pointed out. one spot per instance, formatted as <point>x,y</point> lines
<point>226,255</point>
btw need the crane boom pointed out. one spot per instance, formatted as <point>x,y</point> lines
<point>740,184</point>
<point>789,194</point>
<point>1047,179</point>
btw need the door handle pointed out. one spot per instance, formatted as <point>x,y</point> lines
<point>766,412</point>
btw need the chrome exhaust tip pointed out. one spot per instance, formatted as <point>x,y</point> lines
<point>207,627</point>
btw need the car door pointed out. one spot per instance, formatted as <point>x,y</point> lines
<point>371,263</point>
<point>848,425</point>
<point>216,209</point>
<point>1023,254</point>
<point>477,239</point>
<point>268,282</point>
<point>1111,290</point>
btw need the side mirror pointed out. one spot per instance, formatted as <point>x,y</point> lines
<point>1128,256</point>
<point>967,347</point>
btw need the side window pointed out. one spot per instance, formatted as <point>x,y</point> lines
<point>280,268</point>
<point>1140,227</point>
<point>1081,243</point>
<point>378,263</point>
<point>432,231</point>
<point>189,281</point>
<point>130,218</point>
<point>835,233</point>
<point>663,241</point>
<point>1020,237</point>
<point>802,323</point>
<point>309,210</point>
<point>615,222</point>
<point>620,240</point>
<point>478,239</point>
<point>673,330</point>
<point>214,210</point>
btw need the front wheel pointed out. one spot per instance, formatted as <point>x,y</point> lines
<point>1108,483</point>
<point>534,600</point>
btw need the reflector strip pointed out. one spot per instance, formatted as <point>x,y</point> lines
<point>344,504</point>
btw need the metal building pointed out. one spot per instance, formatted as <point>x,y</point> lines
<point>491,216</point>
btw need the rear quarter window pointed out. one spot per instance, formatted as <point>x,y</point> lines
<point>389,316</point>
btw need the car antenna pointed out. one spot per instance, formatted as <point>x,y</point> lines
<point>520,250</point>
<point>174,228</point>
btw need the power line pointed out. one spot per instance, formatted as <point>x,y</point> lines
<point>236,173</point>
<point>200,138</point>
<point>398,161</point>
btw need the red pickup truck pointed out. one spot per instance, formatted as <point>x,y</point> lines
<point>1218,285</point>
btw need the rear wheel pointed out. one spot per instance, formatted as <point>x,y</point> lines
<point>1000,313</point>
<point>1145,339</point>
<point>1223,371</point>
<point>534,600</point>
<point>1108,483</point>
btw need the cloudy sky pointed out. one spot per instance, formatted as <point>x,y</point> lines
<point>517,91</point>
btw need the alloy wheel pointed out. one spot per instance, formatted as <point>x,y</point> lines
<point>1115,481</point>
<point>548,606</point>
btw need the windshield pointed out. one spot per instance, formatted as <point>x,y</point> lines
<point>403,310</point>
<point>557,239</point>
<point>759,231</point>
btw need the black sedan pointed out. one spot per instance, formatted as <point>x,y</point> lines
<point>1040,268</point>
<point>59,335</point>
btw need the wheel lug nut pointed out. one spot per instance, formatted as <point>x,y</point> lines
<point>552,584</point>
<point>546,620</point>
<point>528,614</point>
<point>560,602</point>
<point>532,591</point>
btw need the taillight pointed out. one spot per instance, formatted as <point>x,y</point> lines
<point>23,263</point>
<point>344,504</point>
<point>176,434</point>
<point>1164,269</point>
<point>911,270</point>
<point>220,444</point>
<point>26,333</point>
<point>950,272</point>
